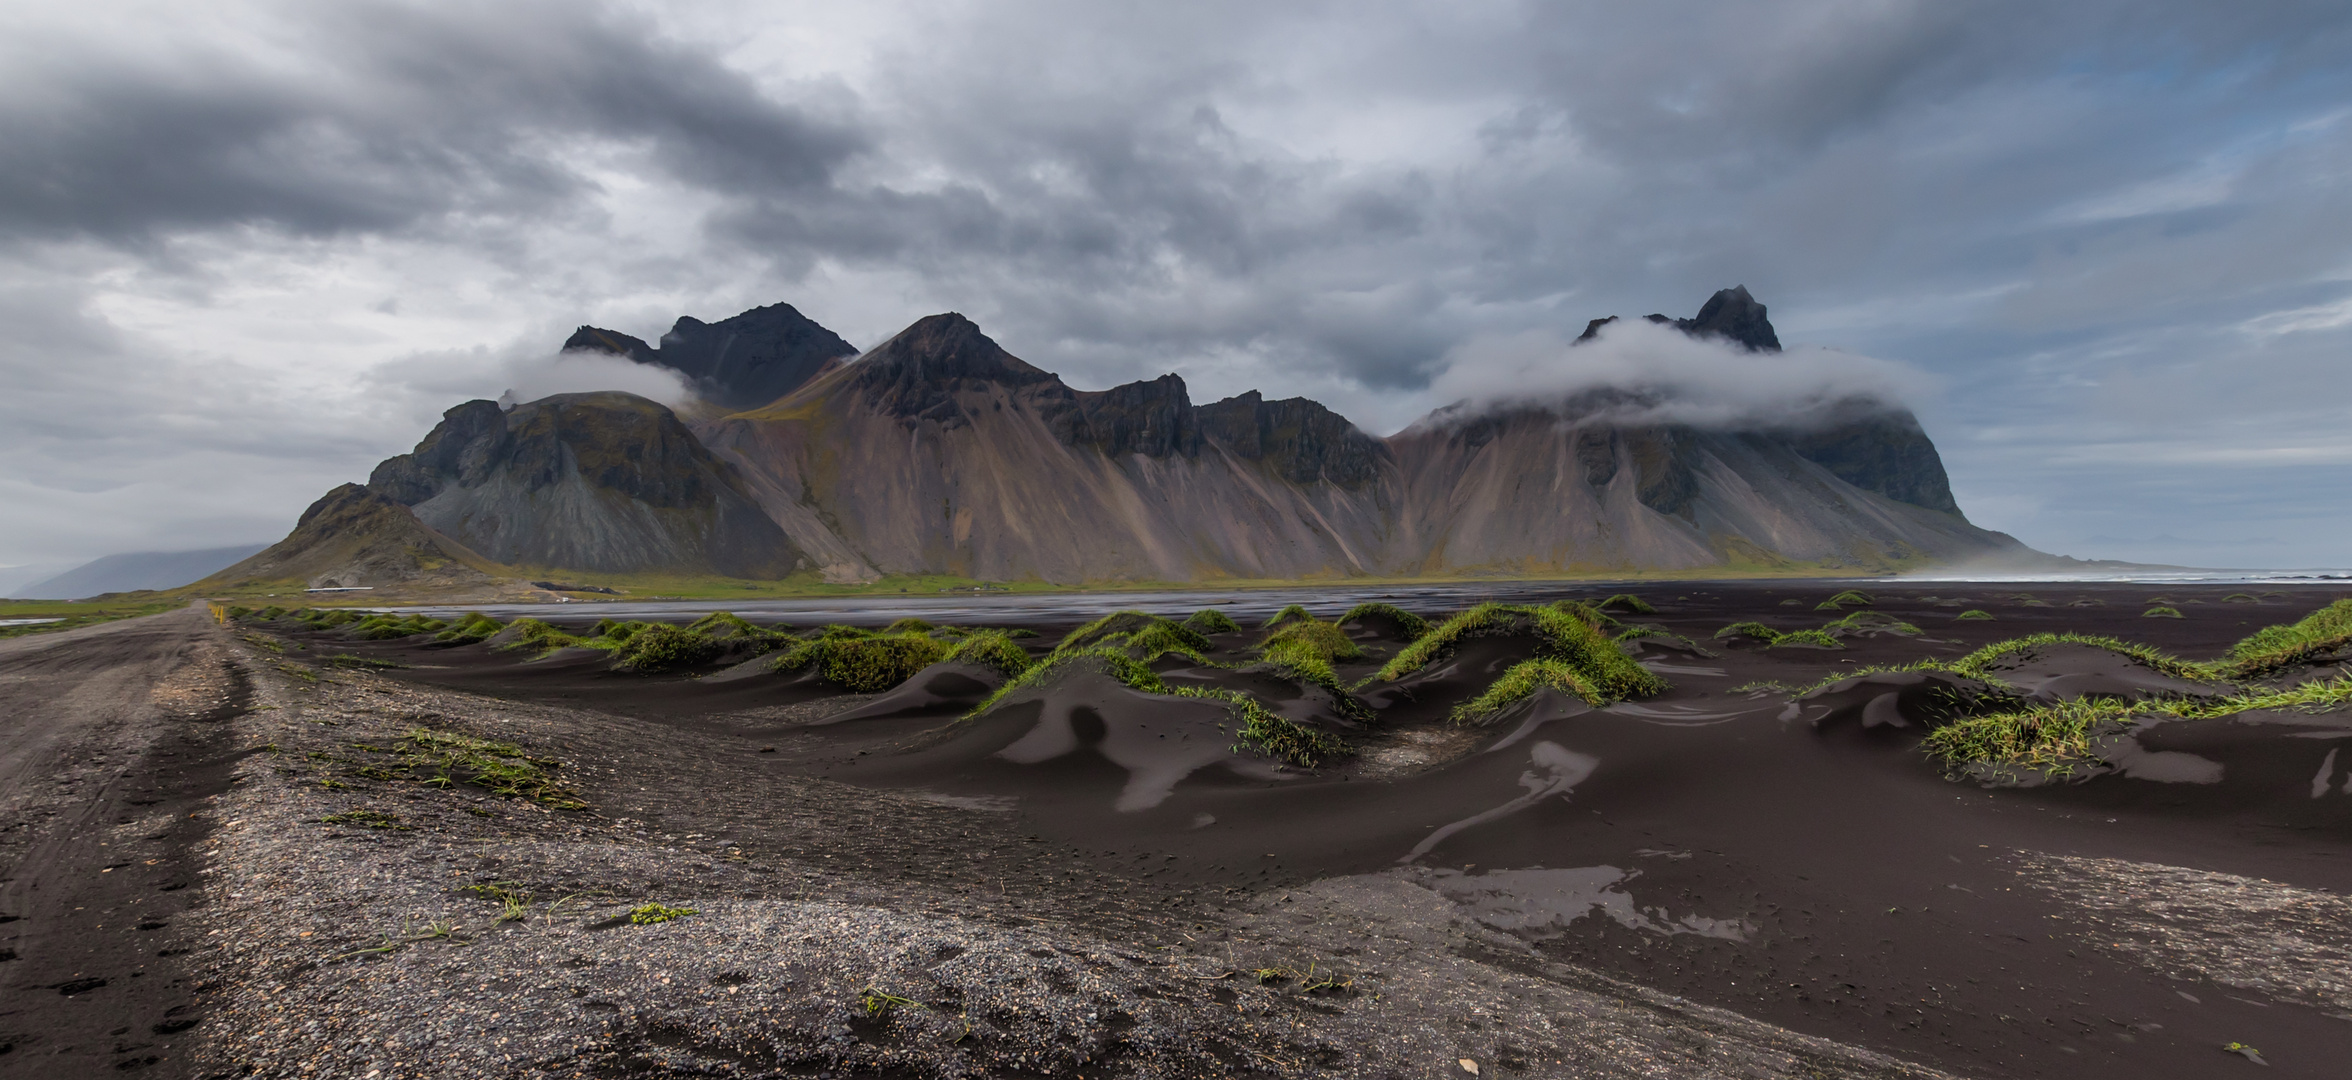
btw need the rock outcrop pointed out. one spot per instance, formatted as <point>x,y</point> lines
<point>738,363</point>
<point>606,482</point>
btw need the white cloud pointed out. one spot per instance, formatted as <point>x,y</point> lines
<point>2301,320</point>
<point>1635,372</point>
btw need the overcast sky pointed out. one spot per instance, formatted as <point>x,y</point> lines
<point>249,249</point>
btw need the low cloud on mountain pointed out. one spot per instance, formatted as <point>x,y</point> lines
<point>1638,373</point>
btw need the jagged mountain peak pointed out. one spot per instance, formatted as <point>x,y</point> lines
<point>1733,314</point>
<point>943,347</point>
<point>741,362</point>
<point>1730,314</point>
<point>1301,439</point>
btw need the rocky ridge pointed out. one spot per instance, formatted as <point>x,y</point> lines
<point>939,452</point>
<point>738,363</point>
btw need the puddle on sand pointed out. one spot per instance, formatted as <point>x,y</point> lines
<point>1537,903</point>
<point>1553,770</point>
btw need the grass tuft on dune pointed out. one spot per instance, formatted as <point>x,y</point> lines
<point>2271,648</point>
<point>663,647</point>
<point>865,664</point>
<point>1772,639</point>
<point>1523,680</point>
<point>2058,738</point>
<point>1288,613</point>
<point>1411,625</point>
<point>1131,623</point>
<point>1208,621</point>
<point>993,648</point>
<point>1565,639</point>
<point>1260,727</point>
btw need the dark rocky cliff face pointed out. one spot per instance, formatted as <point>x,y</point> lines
<point>1153,418</point>
<point>915,375</point>
<point>470,440</point>
<point>603,481</point>
<point>1887,453</point>
<point>1733,315</point>
<point>739,363</point>
<point>1302,441</point>
<point>1730,314</point>
<point>1874,446</point>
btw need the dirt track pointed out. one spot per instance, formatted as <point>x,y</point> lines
<point>114,738</point>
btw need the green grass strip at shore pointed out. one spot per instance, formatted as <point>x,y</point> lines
<point>71,614</point>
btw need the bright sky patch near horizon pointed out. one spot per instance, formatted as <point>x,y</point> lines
<point>249,249</point>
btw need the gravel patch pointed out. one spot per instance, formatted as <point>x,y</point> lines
<point>2289,943</point>
<point>363,920</point>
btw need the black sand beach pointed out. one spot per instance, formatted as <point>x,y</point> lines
<point>1802,864</point>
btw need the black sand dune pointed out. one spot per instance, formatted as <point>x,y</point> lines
<point>1797,860</point>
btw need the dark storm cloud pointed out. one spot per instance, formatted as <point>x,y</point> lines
<point>2082,219</point>
<point>380,117</point>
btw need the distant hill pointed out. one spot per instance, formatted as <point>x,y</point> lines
<point>14,579</point>
<point>939,452</point>
<point>134,570</point>
<point>355,538</point>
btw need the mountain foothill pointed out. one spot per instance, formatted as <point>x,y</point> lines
<point>940,453</point>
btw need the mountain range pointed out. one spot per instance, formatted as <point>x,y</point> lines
<point>938,452</point>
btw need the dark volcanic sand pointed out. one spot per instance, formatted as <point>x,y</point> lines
<point>1830,880</point>
<point>1705,843</point>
